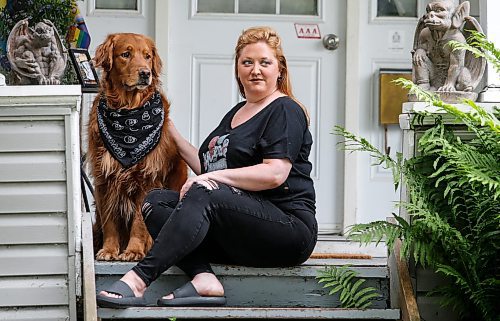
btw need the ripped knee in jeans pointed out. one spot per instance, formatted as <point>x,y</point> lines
<point>146,210</point>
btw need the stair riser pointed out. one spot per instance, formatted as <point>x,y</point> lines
<point>252,291</point>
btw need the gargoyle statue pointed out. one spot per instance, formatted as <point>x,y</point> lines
<point>453,75</point>
<point>37,56</point>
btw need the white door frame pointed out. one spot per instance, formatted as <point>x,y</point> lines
<point>352,114</point>
<point>161,32</point>
<point>492,26</point>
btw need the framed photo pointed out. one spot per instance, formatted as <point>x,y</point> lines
<point>391,96</point>
<point>85,70</point>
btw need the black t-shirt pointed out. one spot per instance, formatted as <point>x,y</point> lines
<point>278,131</point>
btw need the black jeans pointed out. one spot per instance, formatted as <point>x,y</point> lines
<point>222,225</point>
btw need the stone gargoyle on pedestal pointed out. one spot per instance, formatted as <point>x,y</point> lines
<point>36,55</point>
<point>453,75</point>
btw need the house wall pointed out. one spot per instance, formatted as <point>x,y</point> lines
<point>369,192</point>
<point>40,202</point>
<point>491,23</point>
<point>100,23</point>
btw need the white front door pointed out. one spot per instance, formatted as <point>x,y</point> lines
<point>200,74</point>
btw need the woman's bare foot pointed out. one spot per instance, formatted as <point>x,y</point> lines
<point>133,281</point>
<point>206,284</point>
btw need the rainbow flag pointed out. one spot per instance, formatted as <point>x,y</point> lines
<point>3,42</point>
<point>78,35</point>
<point>78,38</point>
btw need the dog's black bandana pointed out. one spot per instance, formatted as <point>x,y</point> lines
<point>130,134</point>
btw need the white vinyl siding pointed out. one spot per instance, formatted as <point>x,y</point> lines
<point>40,202</point>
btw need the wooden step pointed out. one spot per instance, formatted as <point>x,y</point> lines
<point>250,313</point>
<point>264,287</point>
<point>253,293</point>
<point>258,293</point>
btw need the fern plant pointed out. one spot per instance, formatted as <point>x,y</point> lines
<point>342,280</point>
<point>453,190</point>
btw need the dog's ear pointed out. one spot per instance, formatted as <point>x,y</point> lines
<point>157,63</point>
<point>104,53</point>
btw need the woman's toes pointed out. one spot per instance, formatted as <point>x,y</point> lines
<point>110,295</point>
<point>168,297</point>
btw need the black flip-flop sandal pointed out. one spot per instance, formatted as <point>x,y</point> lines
<point>186,295</point>
<point>127,300</point>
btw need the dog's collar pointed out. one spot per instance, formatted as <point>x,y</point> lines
<point>130,134</point>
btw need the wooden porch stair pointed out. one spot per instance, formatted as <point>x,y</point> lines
<point>252,293</point>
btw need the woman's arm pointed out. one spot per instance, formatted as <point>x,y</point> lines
<point>187,151</point>
<point>271,173</point>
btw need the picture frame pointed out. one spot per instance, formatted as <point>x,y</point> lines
<point>392,96</point>
<point>84,68</point>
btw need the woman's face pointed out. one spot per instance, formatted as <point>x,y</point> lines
<point>258,70</point>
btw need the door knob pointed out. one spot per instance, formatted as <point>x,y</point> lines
<point>331,41</point>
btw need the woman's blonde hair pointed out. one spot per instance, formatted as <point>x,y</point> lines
<point>272,39</point>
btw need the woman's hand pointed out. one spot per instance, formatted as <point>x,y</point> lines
<point>271,173</point>
<point>200,179</point>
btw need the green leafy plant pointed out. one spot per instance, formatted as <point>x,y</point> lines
<point>453,190</point>
<point>57,11</point>
<point>480,46</point>
<point>351,294</point>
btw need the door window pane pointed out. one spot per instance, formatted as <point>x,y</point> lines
<point>215,6</point>
<point>299,7</point>
<point>286,7</point>
<point>257,6</point>
<point>116,4</point>
<point>396,8</point>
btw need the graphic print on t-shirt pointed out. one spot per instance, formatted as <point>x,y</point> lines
<point>215,158</point>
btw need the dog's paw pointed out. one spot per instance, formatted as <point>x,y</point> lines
<point>107,255</point>
<point>130,255</point>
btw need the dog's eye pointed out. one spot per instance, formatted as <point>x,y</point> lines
<point>148,56</point>
<point>126,54</point>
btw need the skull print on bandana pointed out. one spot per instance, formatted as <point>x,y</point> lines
<point>129,135</point>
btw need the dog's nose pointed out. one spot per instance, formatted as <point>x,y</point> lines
<point>144,74</point>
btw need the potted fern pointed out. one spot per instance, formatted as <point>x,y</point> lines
<point>453,189</point>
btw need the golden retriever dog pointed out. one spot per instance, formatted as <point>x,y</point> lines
<point>129,149</point>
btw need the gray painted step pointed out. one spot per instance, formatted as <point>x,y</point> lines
<point>266,293</point>
<point>261,287</point>
<point>251,313</point>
